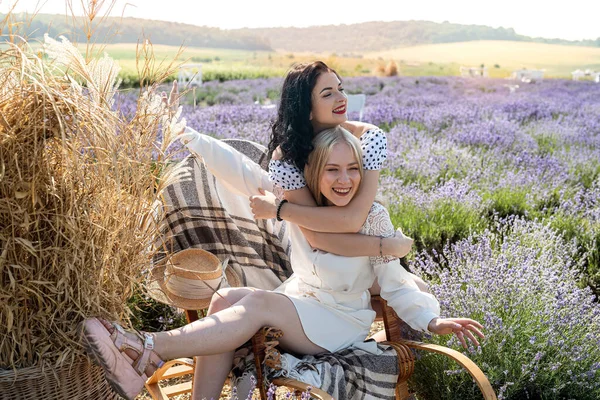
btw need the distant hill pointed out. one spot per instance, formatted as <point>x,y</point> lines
<point>130,30</point>
<point>341,39</point>
<point>379,36</point>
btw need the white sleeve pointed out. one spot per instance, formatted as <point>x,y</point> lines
<point>415,307</point>
<point>401,292</point>
<point>234,170</point>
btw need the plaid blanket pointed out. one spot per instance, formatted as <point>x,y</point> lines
<point>205,212</point>
<point>348,374</point>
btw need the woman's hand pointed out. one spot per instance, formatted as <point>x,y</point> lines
<point>264,206</point>
<point>461,327</point>
<point>400,244</point>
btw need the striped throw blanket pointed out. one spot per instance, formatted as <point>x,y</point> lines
<point>205,212</point>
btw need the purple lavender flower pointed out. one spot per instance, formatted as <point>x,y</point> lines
<point>271,392</point>
<point>521,281</point>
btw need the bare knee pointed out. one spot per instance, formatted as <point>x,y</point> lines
<point>222,299</point>
<point>257,299</point>
<point>261,304</point>
<point>225,298</point>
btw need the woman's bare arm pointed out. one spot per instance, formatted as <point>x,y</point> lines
<point>357,128</point>
<point>315,222</point>
<point>345,244</point>
<point>357,244</point>
<point>346,219</point>
<point>302,211</point>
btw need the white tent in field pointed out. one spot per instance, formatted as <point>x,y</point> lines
<point>579,74</point>
<point>528,75</point>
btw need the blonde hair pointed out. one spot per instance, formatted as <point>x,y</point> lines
<point>323,144</point>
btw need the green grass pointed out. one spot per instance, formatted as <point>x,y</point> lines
<point>547,144</point>
<point>587,236</point>
<point>505,202</point>
<point>587,174</point>
<point>217,64</point>
<point>501,58</point>
<point>432,228</point>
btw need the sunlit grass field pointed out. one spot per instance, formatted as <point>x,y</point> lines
<point>500,57</point>
<point>557,60</point>
<point>250,63</point>
<point>253,64</point>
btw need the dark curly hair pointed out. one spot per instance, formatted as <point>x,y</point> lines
<point>292,130</point>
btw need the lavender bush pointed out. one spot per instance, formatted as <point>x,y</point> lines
<point>543,331</point>
<point>447,212</point>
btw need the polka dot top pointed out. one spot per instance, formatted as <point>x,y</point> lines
<point>374,148</point>
<point>286,175</point>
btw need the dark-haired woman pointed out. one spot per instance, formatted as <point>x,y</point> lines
<point>312,100</point>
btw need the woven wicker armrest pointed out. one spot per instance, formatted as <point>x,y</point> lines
<point>464,361</point>
<point>263,346</point>
<point>393,332</point>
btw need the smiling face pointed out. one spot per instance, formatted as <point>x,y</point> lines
<point>328,102</point>
<point>334,169</point>
<point>341,177</point>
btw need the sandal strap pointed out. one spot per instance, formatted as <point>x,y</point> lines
<point>142,344</point>
<point>127,339</point>
<point>144,358</point>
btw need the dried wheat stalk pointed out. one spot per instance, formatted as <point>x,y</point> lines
<point>78,188</point>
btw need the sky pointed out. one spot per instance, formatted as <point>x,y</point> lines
<point>550,19</point>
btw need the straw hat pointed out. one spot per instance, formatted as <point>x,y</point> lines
<point>189,278</point>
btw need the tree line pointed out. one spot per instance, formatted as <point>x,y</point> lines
<point>354,38</point>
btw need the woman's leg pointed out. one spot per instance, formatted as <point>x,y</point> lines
<point>227,329</point>
<point>211,371</point>
<point>216,334</point>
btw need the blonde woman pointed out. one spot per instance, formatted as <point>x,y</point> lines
<point>323,306</point>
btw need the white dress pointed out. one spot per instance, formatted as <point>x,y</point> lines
<point>331,292</point>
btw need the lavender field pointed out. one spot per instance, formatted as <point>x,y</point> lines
<point>501,191</point>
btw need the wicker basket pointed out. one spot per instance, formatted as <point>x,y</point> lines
<point>81,380</point>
